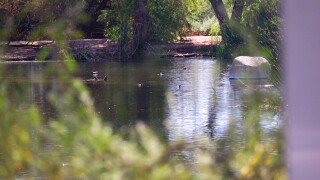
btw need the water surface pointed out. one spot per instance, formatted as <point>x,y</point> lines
<point>180,99</point>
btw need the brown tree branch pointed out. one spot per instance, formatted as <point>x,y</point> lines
<point>237,10</point>
<point>220,11</point>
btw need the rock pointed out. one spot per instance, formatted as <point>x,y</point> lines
<point>249,67</point>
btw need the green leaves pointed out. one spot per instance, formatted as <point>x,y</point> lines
<point>168,19</point>
<point>117,18</point>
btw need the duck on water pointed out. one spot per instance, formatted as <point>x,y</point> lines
<point>95,77</point>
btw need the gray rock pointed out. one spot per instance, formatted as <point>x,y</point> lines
<point>249,67</point>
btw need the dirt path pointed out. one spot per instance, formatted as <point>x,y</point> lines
<point>100,48</point>
<point>203,40</point>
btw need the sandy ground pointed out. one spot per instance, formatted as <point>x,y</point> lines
<point>203,40</point>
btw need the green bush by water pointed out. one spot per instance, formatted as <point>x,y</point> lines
<point>258,32</point>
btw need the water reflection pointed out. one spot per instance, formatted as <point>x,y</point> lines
<point>134,92</point>
<point>193,100</point>
<point>202,103</point>
<point>190,98</point>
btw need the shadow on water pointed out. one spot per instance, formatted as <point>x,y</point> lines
<point>187,100</point>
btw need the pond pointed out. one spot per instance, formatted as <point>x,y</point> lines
<point>190,100</point>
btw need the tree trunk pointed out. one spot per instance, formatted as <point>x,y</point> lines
<point>230,36</point>
<point>141,24</point>
<point>220,11</point>
<point>237,10</point>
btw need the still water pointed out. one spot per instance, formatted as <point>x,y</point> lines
<point>190,100</point>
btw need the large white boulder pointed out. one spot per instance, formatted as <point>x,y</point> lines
<point>249,67</point>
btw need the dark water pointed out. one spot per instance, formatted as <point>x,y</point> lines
<point>192,100</point>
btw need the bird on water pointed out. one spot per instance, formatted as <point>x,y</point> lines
<point>95,77</point>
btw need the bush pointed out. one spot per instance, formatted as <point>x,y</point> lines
<point>167,18</point>
<point>262,19</point>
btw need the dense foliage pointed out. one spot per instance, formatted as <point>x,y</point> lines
<point>134,23</point>
<point>257,33</point>
<point>168,19</point>
<point>26,18</point>
<point>262,19</point>
<point>201,18</point>
<point>118,19</point>
<point>253,29</point>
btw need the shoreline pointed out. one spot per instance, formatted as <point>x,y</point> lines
<point>104,49</point>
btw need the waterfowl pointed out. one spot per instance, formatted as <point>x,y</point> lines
<point>160,73</point>
<point>96,78</point>
<point>95,74</point>
<point>105,78</point>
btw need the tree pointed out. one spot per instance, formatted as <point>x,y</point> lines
<point>142,23</point>
<point>132,23</point>
<point>220,11</point>
<point>238,7</point>
<point>92,28</point>
<point>252,26</point>
<point>230,36</point>
<point>26,18</point>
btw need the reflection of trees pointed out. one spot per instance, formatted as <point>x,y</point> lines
<point>189,106</point>
<point>121,102</point>
<point>39,89</point>
<point>208,104</point>
<point>27,83</point>
<point>247,125</point>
